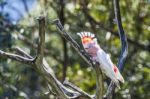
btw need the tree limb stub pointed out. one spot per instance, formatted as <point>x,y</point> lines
<point>16,57</point>
<point>40,51</point>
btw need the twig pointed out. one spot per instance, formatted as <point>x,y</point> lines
<point>16,57</point>
<point>124,46</point>
<point>66,83</point>
<point>21,52</point>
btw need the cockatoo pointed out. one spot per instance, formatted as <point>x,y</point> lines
<point>97,54</point>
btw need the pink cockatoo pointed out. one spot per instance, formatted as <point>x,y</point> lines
<point>97,54</point>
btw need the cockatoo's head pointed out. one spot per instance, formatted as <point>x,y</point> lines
<point>89,42</point>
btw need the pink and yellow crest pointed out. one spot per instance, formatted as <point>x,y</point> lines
<point>86,39</point>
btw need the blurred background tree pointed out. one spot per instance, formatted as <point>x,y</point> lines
<point>18,27</point>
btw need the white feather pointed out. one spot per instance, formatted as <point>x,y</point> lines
<point>88,34</point>
<point>106,65</point>
<point>95,40</point>
<point>92,35</point>
<point>82,33</point>
<point>85,33</point>
<point>79,35</point>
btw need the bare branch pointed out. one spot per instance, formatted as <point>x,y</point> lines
<point>66,83</point>
<point>21,52</point>
<point>16,57</point>
<point>40,52</point>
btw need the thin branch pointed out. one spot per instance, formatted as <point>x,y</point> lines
<point>85,56</point>
<point>21,52</point>
<point>16,57</point>
<point>65,49</point>
<point>123,39</point>
<point>66,83</point>
<point>124,46</point>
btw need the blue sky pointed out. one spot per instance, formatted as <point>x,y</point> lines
<point>16,9</point>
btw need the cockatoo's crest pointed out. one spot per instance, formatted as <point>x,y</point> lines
<point>87,37</point>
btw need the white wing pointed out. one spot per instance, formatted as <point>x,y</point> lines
<point>109,60</point>
<point>106,65</point>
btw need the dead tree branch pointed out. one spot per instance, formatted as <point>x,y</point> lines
<point>66,83</point>
<point>16,57</point>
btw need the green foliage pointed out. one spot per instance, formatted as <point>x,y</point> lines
<point>18,81</point>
